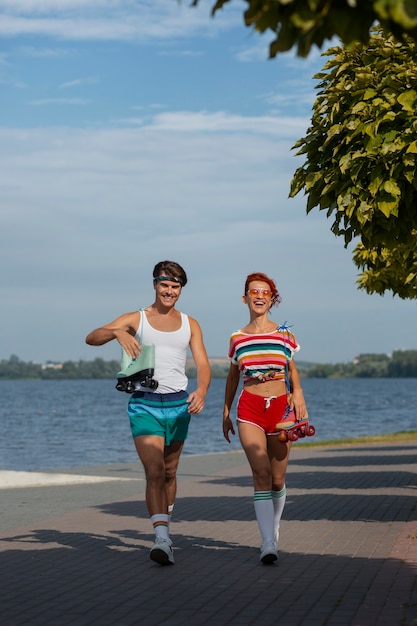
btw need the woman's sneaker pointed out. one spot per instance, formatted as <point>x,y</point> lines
<point>161,552</point>
<point>269,552</point>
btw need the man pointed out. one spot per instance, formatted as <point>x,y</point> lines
<point>160,411</point>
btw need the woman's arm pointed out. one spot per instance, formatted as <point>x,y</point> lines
<point>232,383</point>
<point>297,400</point>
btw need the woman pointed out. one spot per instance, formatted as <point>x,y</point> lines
<point>261,351</point>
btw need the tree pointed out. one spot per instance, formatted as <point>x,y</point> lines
<point>403,364</point>
<point>361,158</point>
<point>303,23</point>
<point>389,269</point>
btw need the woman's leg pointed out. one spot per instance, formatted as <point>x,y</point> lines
<point>279,453</point>
<point>254,443</point>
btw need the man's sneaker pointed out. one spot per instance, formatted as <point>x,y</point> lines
<point>269,552</point>
<point>161,552</point>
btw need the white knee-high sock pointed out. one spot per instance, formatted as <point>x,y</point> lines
<point>278,499</point>
<point>264,511</point>
<point>170,510</point>
<point>160,525</point>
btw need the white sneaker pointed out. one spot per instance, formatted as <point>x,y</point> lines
<point>276,537</point>
<point>161,552</point>
<point>269,552</point>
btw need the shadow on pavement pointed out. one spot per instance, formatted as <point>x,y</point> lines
<point>88,578</point>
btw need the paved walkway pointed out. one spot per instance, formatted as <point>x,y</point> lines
<point>75,549</point>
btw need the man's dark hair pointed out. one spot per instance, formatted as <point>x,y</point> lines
<point>171,270</point>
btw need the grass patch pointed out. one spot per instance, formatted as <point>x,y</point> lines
<point>406,436</point>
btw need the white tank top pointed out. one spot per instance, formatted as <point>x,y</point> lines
<point>171,350</point>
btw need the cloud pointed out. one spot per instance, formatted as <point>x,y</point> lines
<point>141,20</point>
<point>181,53</point>
<point>79,82</point>
<point>220,121</point>
<point>200,174</point>
<point>257,52</point>
<point>99,207</point>
<point>70,101</point>
<point>299,98</point>
<point>37,52</point>
<point>167,152</point>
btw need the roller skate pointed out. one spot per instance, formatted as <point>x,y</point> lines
<point>291,429</point>
<point>135,371</point>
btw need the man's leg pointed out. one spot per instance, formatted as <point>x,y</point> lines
<point>172,455</point>
<point>151,450</point>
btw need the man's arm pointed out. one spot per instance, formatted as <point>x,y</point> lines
<point>196,398</point>
<point>123,329</point>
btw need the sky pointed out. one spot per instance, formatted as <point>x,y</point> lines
<point>134,131</point>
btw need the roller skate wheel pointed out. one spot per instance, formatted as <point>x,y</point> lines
<point>282,436</point>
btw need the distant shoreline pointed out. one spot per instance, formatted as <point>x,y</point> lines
<point>402,364</point>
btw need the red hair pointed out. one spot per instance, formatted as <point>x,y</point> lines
<point>275,297</point>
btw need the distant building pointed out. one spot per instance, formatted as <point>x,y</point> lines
<point>50,365</point>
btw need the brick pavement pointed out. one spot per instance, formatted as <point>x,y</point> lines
<point>78,554</point>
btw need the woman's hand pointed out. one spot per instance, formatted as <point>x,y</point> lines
<point>298,404</point>
<point>228,428</point>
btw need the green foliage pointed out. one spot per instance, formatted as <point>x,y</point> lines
<point>306,23</point>
<point>385,268</point>
<point>218,370</point>
<point>361,158</point>
<point>14,368</point>
<point>402,364</point>
<point>321,370</point>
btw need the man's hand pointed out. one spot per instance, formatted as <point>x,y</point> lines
<point>129,344</point>
<point>196,402</point>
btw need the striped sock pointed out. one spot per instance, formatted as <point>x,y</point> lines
<point>264,511</point>
<point>278,499</point>
<point>160,525</point>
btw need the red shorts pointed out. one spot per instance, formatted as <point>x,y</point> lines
<point>261,412</point>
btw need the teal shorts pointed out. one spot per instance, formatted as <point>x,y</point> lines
<point>162,414</point>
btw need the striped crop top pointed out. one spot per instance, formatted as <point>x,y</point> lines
<point>263,356</point>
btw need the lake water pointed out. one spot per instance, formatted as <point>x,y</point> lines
<point>70,423</point>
